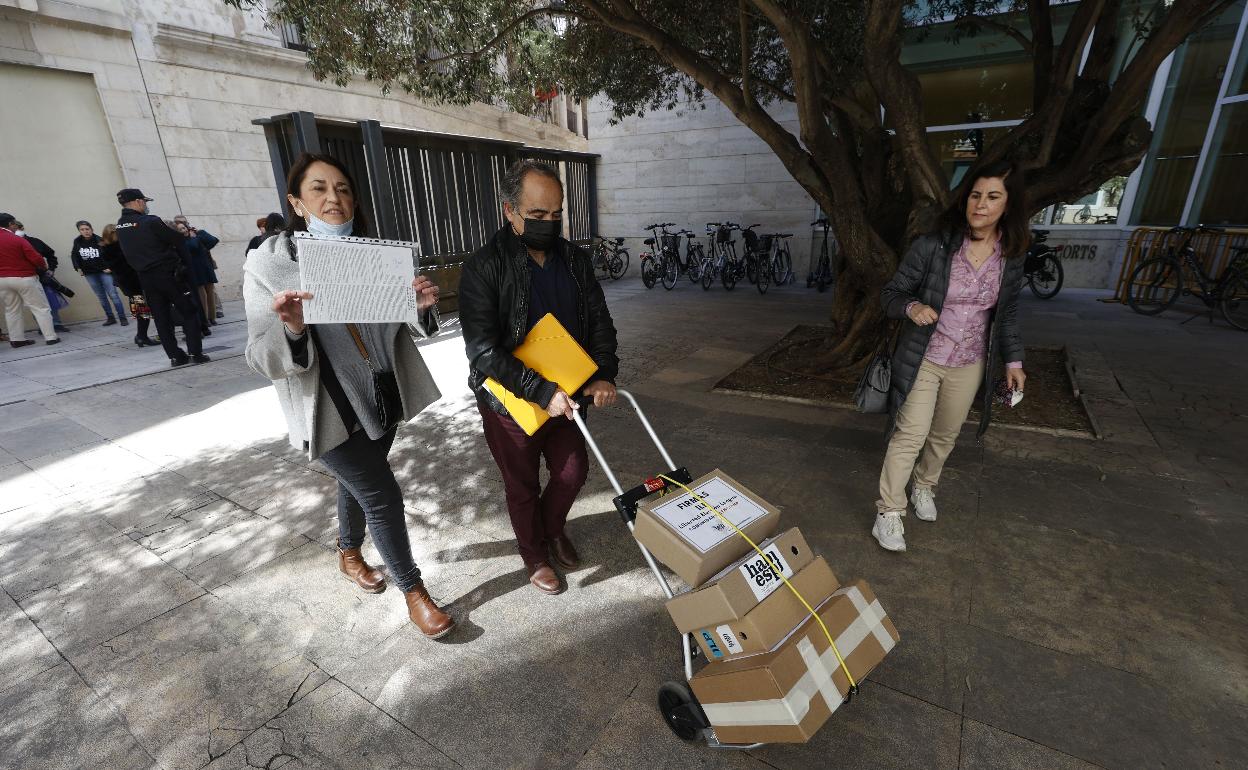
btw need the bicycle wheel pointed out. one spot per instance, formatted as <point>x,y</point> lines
<point>1046,281</point>
<point>671,272</point>
<point>1154,286</point>
<point>619,265</point>
<point>695,265</point>
<point>783,266</point>
<point>729,276</point>
<point>751,268</point>
<point>764,276</point>
<point>708,274</point>
<point>1234,301</point>
<point>649,271</point>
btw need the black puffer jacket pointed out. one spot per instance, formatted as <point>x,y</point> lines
<point>923,276</point>
<point>494,313</point>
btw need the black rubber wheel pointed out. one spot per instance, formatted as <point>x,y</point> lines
<point>649,272</point>
<point>1046,281</point>
<point>619,265</point>
<point>708,274</point>
<point>695,265</point>
<point>729,277</point>
<point>1154,286</point>
<point>751,269</point>
<point>764,276</point>
<point>671,273</point>
<point>681,711</point>
<point>1234,301</point>
<point>784,267</point>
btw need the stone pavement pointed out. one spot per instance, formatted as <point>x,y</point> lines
<point>170,597</point>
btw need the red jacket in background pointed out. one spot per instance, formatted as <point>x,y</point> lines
<point>18,259</point>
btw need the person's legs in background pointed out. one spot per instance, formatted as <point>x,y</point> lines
<point>158,289</point>
<point>109,288</point>
<point>96,282</point>
<point>11,299</point>
<point>914,421</point>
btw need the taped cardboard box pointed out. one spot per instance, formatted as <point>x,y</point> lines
<point>693,542</point>
<point>765,626</point>
<point>739,587</point>
<point>785,695</point>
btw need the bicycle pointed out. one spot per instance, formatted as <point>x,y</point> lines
<point>781,259</point>
<point>694,255</point>
<point>722,262</point>
<point>1156,284</point>
<point>1042,266</point>
<point>822,275</point>
<point>665,266</point>
<point>609,258</point>
<point>758,267</point>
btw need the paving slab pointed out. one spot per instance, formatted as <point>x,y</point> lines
<point>333,727</point>
<point>55,721</point>
<point>26,652</point>
<point>195,681</point>
<point>45,532</point>
<point>52,435</point>
<point>79,602</point>
<point>987,748</point>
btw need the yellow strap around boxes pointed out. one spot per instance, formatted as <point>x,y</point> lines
<point>853,685</point>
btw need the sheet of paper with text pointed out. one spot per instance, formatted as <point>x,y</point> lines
<point>356,280</point>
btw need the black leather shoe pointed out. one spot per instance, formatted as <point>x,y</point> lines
<point>145,341</point>
<point>200,359</point>
<point>110,322</point>
<point>183,361</point>
<point>52,342</point>
<point>205,332</point>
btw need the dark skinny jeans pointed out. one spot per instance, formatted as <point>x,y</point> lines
<point>369,496</point>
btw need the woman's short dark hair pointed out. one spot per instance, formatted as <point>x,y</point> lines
<point>1015,231</point>
<point>294,181</point>
<point>273,223</point>
<point>82,222</point>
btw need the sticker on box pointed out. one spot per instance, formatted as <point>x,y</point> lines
<point>700,527</point>
<point>729,639</point>
<point>763,576</point>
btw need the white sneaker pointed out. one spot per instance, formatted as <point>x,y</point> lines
<point>924,503</point>
<point>889,532</point>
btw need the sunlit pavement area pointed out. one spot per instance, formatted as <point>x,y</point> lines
<point>171,598</point>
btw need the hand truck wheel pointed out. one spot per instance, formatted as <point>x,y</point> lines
<point>681,710</point>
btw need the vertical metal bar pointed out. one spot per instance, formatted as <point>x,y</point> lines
<point>378,170</point>
<point>273,135</point>
<point>418,175</point>
<point>307,138</point>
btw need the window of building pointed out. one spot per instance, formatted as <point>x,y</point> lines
<point>978,93</point>
<point>957,150</point>
<point>1221,199</point>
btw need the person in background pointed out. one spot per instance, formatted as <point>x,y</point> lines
<point>128,281</point>
<point>202,276</point>
<point>344,388</point>
<point>208,241</point>
<point>260,234</point>
<point>20,265</point>
<point>956,295</point>
<point>270,226</point>
<point>55,300</point>
<point>89,261</point>
<point>526,271</point>
<point>158,254</point>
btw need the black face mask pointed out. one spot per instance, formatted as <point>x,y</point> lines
<point>540,234</point>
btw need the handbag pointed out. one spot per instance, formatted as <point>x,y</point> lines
<point>385,387</point>
<point>871,395</point>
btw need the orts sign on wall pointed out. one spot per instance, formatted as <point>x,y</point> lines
<point>1090,257</point>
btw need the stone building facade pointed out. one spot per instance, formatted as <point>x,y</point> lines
<point>161,95</point>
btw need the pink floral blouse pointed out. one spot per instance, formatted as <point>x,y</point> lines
<point>959,338</point>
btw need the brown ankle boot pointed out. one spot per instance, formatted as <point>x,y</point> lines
<point>425,614</point>
<point>351,563</point>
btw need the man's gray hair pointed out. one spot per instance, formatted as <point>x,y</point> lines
<point>513,180</point>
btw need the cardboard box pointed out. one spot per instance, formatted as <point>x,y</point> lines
<point>785,695</point>
<point>739,587</point>
<point>765,626</point>
<point>683,533</point>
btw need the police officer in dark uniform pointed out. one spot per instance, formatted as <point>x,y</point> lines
<point>158,254</point>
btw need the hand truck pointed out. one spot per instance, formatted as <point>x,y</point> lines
<point>677,703</point>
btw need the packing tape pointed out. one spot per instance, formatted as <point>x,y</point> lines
<point>795,705</point>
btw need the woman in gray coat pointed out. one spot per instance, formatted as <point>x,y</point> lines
<point>956,294</point>
<point>344,388</point>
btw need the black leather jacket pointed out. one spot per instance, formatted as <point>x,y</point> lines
<point>494,314</point>
<point>151,245</point>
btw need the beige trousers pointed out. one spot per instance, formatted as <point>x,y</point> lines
<point>929,422</point>
<point>18,292</point>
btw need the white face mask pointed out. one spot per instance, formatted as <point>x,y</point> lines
<point>19,232</point>
<point>318,226</point>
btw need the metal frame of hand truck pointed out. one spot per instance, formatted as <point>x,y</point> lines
<point>686,719</point>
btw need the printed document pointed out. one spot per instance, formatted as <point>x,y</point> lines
<point>356,280</point>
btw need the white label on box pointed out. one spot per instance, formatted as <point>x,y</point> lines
<point>729,639</point>
<point>762,577</point>
<point>700,527</point>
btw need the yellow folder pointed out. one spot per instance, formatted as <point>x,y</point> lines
<point>552,352</point>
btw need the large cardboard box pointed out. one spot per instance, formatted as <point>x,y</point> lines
<point>739,587</point>
<point>681,532</point>
<point>785,695</point>
<point>763,627</point>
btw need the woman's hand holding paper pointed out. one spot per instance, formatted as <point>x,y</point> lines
<point>426,293</point>
<point>289,307</point>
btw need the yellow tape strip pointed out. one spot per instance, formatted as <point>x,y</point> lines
<point>852,684</point>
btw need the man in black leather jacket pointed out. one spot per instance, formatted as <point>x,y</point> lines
<point>526,271</point>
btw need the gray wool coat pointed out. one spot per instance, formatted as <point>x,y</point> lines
<point>923,276</point>
<point>313,421</point>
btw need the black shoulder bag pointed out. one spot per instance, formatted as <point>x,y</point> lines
<point>385,387</point>
<point>871,395</point>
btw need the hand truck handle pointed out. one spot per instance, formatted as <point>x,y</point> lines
<point>645,423</point>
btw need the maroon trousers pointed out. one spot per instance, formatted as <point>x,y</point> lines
<point>537,515</point>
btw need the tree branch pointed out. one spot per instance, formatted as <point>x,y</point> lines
<point>744,26</point>
<point>506,30</point>
<point>1042,50</point>
<point>1012,32</point>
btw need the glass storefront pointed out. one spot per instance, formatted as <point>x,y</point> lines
<point>1221,199</point>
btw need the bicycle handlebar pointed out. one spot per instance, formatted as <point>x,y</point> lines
<point>820,221</point>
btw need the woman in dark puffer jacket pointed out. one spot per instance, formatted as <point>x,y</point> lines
<point>956,292</point>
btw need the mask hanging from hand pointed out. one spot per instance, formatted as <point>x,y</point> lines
<point>540,234</point>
